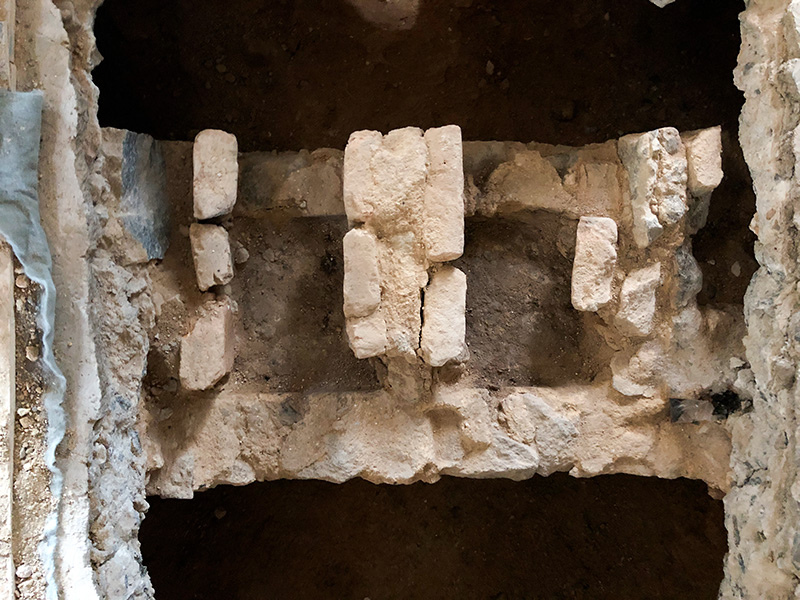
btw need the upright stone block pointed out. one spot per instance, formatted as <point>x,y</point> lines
<point>637,305</point>
<point>367,335</point>
<point>444,326</point>
<point>211,251</point>
<point>358,178</point>
<point>216,173</point>
<point>362,280</point>
<point>207,352</point>
<point>657,175</point>
<point>595,258</point>
<point>444,195</point>
<point>704,160</point>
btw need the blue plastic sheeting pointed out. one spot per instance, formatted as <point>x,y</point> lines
<point>20,225</point>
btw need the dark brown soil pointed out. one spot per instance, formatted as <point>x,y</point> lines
<point>612,537</point>
<point>521,326</point>
<point>293,74</point>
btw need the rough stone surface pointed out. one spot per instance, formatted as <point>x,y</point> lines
<point>362,279</point>
<point>207,351</point>
<point>637,304</point>
<point>211,253</point>
<point>406,188</point>
<point>704,160</point>
<point>444,195</point>
<point>216,173</point>
<point>444,325</point>
<point>656,166</point>
<point>595,258</point>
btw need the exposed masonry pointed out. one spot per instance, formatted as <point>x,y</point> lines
<point>405,309</point>
<point>239,435</point>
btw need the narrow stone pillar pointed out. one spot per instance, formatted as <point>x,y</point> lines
<point>445,325</point>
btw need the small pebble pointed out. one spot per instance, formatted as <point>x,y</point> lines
<point>21,282</point>
<point>220,513</point>
<point>736,269</point>
<point>24,571</point>
<point>22,412</point>
<point>489,67</point>
<point>32,353</point>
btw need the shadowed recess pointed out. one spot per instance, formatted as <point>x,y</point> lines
<point>611,537</point>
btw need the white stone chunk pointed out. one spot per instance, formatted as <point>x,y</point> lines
<point>444,195</point>
<point>358,181</point>
<point>211,251</point>
<point>216,173</point>
<point>444,326</point>
<point>207,352</point>
<point>362,280</point>
<point>367,335</point>
<point>704,160</point>
<point>657,176</point>
<point>593,268</point>
<point>637,305</point>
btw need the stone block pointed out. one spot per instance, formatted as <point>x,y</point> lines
<point>358,182</point>
<point>704,160</point>
<point>367,335</point>
<point>216,173</point>
<point>207,352</point>
<point>637,306</point>
<point>595,258</point>
<point>657,176</point>
<point>444,324</point>
<point>362,280</point>
<point>444,195</point>
<point>211,251</point>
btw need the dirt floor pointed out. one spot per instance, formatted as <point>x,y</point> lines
<point>521,326</point>
<point>293,74</point>
<point>612,537</point>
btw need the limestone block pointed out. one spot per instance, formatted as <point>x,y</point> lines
<point>359,184</point>
<point>662,3</point>
<point>637,305</point>
<point>362,281</point>
<point>216,173</point>
<point>444,325</point>
<point>211,252</point>
<point>207,352</point>
<point>593,268</point>
<point>657,176</point>
<point>367,335</point>
<point>444,195</point>
<point>704,160</point>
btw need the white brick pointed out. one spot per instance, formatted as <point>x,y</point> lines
<point>637,306</point>
<point>367,335</point>
<point>216,173</point>
<point>211,251</point>
<point>595,257</point>
<point>704,158</point>
<point>362,281</point>
<point>444,325</point>
<point>444,195</point>
<point>207,352</point>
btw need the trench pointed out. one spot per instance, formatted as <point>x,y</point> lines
<point>303,74</point>
<point>615,537</point>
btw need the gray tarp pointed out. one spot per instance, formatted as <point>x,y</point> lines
<point>20,130</point>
